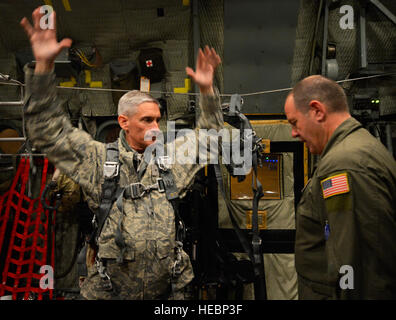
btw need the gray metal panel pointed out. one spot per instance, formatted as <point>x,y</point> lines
<point>259,39</point>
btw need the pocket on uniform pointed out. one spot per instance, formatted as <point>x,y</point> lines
<point>93,288</point>
<point>164,249</point>
<point>164,260</point>
<point>130,252</point>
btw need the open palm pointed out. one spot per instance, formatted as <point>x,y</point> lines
<point>45,46</point>
<point>207,61</point>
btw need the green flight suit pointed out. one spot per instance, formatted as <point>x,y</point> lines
<point>147,223</point>
<point>350,201</point>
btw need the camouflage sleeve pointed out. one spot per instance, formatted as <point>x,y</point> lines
<point>74,152</point>
<point>210,116</point>
<point>191,151</point>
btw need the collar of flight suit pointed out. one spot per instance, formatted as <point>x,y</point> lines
<point>124,142</point>
<point>343,130</point>
<point>137,157</point>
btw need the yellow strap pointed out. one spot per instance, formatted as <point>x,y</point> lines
<point>92,84</point>
<point>187,87</point>
<point>66,4</point>
<point>69,84</point>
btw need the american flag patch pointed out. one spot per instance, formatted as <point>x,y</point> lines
<point>334,185</point>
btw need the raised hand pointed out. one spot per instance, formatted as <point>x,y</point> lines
<point>44,44</point>
<point>212,57</point>
<point>207,61</point>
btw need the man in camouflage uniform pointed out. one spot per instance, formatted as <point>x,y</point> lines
<point>346,219</point>
<point>152,265</point>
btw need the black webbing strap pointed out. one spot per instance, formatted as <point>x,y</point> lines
<point>172,194</point>
<point>109,187</point>
<point>119,239</point>
<point>258,261</point>
<point>82,269</point>
<point>169,184</point>
<point>254,250</point>
<point>244,242</point>
<point>239,120</point>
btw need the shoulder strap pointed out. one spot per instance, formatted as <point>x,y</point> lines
<point>111,170</point>
<point>172,194</point>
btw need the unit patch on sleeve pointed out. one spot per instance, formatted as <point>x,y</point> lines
<point>334,185</point>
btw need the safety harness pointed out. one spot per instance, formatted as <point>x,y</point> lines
<point>112,192</point>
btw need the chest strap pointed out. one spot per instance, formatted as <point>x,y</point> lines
<point>165,183</point>
<point>137,190</point>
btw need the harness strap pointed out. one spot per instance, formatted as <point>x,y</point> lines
<point>137,190</point>
<point>112,192</point>
<point>259,283</point>
<point>242,238</point>
<point>239,120</point>
<point>119,239</point>
<point>172,195</point>
<point>109,188</point>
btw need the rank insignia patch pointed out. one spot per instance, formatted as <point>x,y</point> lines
<point>334,185</point>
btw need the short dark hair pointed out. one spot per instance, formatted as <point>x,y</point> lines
<point>322,89</point>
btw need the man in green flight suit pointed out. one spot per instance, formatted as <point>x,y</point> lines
<point>147,262</point>
<point>346,218</point>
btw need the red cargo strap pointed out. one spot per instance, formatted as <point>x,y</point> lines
<point>28,241</point>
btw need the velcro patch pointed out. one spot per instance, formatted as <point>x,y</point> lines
<point>334,185</point>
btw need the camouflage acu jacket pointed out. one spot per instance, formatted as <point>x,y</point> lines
<point>148,225</point>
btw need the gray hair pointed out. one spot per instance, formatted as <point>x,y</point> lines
<point>128,103</point>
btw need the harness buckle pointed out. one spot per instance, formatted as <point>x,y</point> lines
<point>176,268</point>
<point>161,185</point>
<point>249,135</point>
<point>110,169</point>
<point>106,281</point>
<point>137,190</point>
<point>256,242</point>
<point>94,221</point>
<point>164,163</point>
